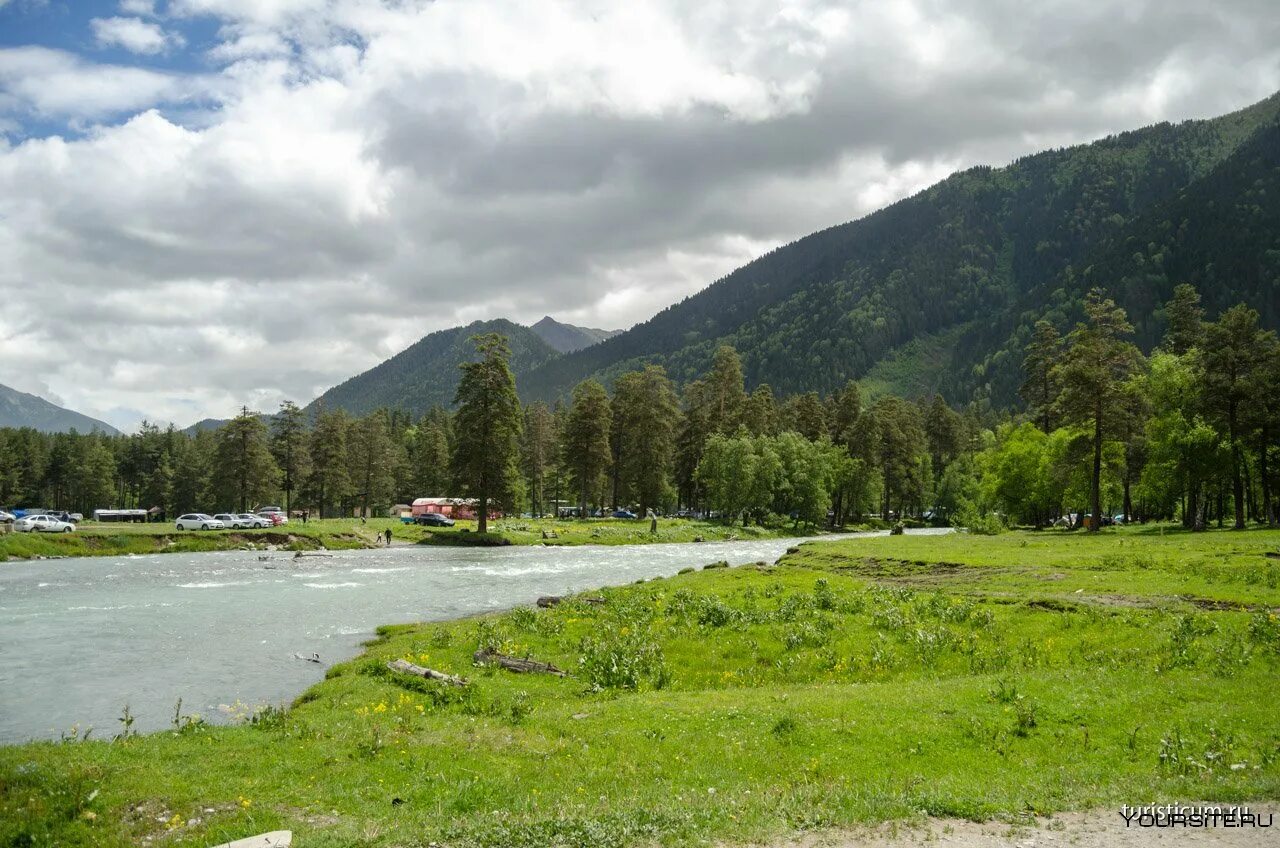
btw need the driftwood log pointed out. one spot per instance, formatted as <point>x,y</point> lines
<point>551,600</point>
<point>430,673</point>
<point>516,664</point>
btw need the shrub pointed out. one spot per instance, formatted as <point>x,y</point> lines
<point>714,612</point>
<point>622,661</point>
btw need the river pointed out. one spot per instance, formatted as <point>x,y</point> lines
<point>81,638</point>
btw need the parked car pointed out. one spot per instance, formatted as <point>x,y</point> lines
<point>433,519</point>
<point>274,514</point>
<point>623,513</point>
<point>42,524</point>
<point>254,522</point>
<point>230,520</point>
<point>7,516</point>
<point>199,521</point>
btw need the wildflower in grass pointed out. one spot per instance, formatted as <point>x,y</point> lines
<point>244,802</point>
<point>381,707</point>
<point>175,822</point>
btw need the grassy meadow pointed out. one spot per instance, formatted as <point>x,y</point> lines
<point>855,681</point>
<point>93,539</point>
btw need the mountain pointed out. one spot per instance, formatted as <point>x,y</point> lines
<point>206,424</point>
<point>939,291</point>
<point>19,409</point>
<point>426,373</point>
<point>566,338</point>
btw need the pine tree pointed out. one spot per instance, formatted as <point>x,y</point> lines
<point>429,456</point>
<point>846,409</point>
<point>805,414</point>
<point>1039,389</point>
<point>724,391</point>
<point>585,446</point>
<point>691,440</point>
<point>646,414</point>
<point>942,428</point>
<point>289,447</point>
<point>537,453</point>
<point>1093,375</point>
<point>900,446</point>
<point>760,412</point>
<point>1233,351</point>
<point>486,456</point>
<point>245,473</point>
<point>370,460</point>
<point>1185,319</point>
<point>328,481</point>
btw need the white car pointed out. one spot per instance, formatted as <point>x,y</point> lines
<point>274,514</point>
<point>43,524</point>
<point>254,522</point>
<point>231,520</point>
<point>199,521</point>
<point>7,516</point>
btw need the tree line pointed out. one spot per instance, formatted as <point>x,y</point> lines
<point>1186,433</point>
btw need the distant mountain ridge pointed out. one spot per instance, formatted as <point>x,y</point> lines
<point>19,409</point>
<point>566,338</point>
<point>426,373</point>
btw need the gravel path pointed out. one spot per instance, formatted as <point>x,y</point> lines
<point>1095,829</point>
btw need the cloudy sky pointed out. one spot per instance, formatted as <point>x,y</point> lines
<point>205,203</point>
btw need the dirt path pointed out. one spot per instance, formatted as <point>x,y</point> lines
<point>1095,829</point>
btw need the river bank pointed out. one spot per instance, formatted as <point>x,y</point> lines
<point>93,539</point>
<point>851,683</point>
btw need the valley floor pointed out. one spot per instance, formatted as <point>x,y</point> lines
<point>857,682</point>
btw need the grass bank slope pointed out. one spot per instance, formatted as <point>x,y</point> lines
<point>733,704</point>
<point>345,533</point>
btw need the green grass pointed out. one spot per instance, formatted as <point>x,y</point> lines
<point>92,539</point>
<point>733,704</point>
<point>1122,566</point>
<point>607,531</point>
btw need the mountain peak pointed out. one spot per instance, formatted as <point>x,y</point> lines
<point>567,338</point>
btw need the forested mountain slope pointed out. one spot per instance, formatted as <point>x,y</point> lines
<point>426,373</point>
<point>19,409</point>
<point>963,269</point>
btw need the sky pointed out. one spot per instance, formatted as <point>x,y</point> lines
<point>206,204</point>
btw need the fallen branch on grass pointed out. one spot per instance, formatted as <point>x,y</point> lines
<point>551,600</point>
<point>516,664</point>
<point>430,673</point>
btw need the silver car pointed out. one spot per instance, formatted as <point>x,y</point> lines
<point>43,524</point>
<point>199,521</point>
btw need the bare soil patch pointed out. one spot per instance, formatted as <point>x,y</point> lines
<point>1092,829</point>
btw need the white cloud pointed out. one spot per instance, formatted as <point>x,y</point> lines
<point>360,173</point>
<point>146,8</point>
<point>252,45</point>
<point>134,35</point>
<point>53,83</point>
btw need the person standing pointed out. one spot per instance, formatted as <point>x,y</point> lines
<point>388,537</point>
